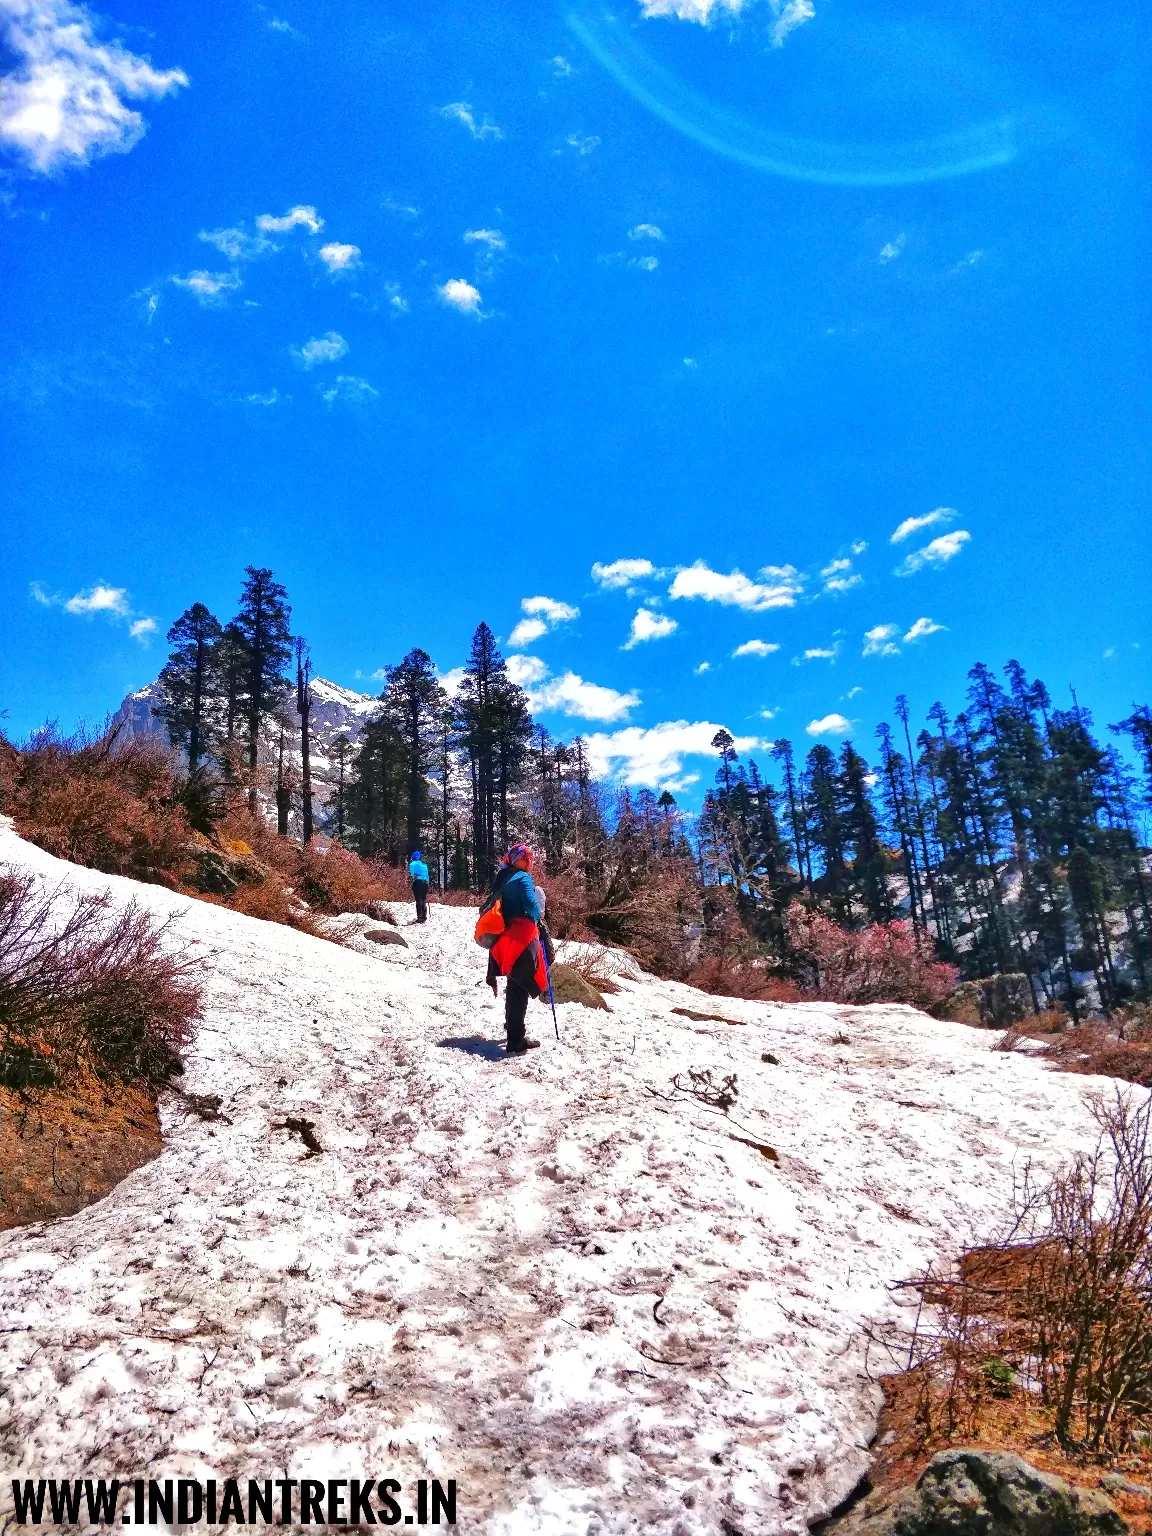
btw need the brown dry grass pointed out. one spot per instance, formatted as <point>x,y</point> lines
<point>1119,1047</point>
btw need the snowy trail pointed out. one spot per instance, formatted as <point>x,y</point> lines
<point>553,1279</point>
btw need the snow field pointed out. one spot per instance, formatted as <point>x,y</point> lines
<point>555,1279</point>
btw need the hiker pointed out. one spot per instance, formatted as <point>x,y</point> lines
<point>418,874</point>
<point>518,952</point>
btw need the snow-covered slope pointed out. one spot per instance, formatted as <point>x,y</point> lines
<point>555,1279</point>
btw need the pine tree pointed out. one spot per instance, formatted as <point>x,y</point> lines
<point>187,683</point>
<point>342,753</point>
<point>304,710</point>
<point>494,728</point>
<point>263,622</point>
<point>415,701</point>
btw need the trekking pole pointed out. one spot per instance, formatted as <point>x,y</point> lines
<point>551,999</point>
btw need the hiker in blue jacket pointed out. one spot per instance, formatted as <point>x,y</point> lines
<point>418,874</point>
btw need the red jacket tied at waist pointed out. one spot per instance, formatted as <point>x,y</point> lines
<point>519,955</point>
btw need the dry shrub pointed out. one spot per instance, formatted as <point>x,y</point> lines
<point>650,914</point>
<point>92,988</point>
<point>273,901</point>
<point>883,963</point>
<point>591,966</point>
<point>333,880</point>
<point>111,805</point>
<point>727,976</point>
<point>1062,1305</point>
<point>567,907</point>
<point>1120,1047</point>
<point>454,898</point>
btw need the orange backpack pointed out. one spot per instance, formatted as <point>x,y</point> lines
<point>489,925</point>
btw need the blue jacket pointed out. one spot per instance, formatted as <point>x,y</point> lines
<point>418,870</point>
<point>518,897</point>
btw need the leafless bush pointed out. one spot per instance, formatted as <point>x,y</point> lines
<point>591,966</point>
<point>883,963</point>
<point>1063,1303</point>
<point>1117,1047</point>
<point>78,982</point>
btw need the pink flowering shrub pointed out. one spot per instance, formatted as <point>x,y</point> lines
<point>884,963</point>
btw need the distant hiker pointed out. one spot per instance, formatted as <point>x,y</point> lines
<point>418,874</point>
<point>512,912</point>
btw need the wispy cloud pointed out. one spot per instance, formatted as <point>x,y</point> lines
<point>622,573</point>
<point>755,648</point>
<point>839,577</point>
<point>462,112</point>
<point>923,627</point>
<point>349,389</point>
<point>654,755</point>
<point>328,348</point>
<point>65,100</point>
<point>830,725</point>
<point>890,251</point>
<point>935,519</point>
<point>939,552</point>
<point>779,587</point>
<point>561,67</point>
<point>788,14</point>
<point>459,294</point>
<point>543,614</point>
<point>646,232</point>
<point>492,238</point>
<point>272,397</point>
<point>236,243</point>
<point>301,215</point>
<point>880,640</point>
<point>702,667</point>
<point>111,602</point>
<point>583,143</point>
<point>817,653</point>
<point>647,625</point>
<point>338,257</point>
<point>211,289</point>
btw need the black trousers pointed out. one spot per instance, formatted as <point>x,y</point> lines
<point>515,1009</point>
<point>420,892</point>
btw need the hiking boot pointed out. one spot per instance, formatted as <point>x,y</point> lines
<point>522,1050</point>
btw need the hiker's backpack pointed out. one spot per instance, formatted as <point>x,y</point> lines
<point>489,925</point>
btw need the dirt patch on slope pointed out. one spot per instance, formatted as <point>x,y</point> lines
<point>63,1148</point>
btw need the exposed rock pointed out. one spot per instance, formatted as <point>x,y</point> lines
<point>380,912</point>
<point>569,986</point>
<point>218,872</point>
<point>385,936</point>
<point>984,1493</point>
<point>993,1002</point>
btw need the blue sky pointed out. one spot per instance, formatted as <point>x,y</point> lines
<point>830,316</point>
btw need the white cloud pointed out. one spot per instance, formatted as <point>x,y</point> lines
<point>554,612</point>
<point>349,388</point>
<point>64,101</point>
<point>859,546</point>
<point>209,288</point>
<point>526,670</point>
<point>830,725</point>
<point>840,577</point>
<point>461,112</point>
<point>755,648</point>
<point>649,626</point>
<point>460,294</point>
<point>527,631</point>
<point>769,714</point>
<point>339,258</point>
<point>779,589</point>
<point>912,525</point>
<point>583,143</point>
<point>451,680</point>
<point>645,263</point>
<point>646,232</point>
<point>654,755</point>
<point>817,653</point>
<point>571,695</point>
<point>852,692</point>
<point>924,627</point>
<point>704,666</point>
<point>321,349</point>
<point>492,238</point>
<point>301,214</point>
<point>880,640</point>
<point>399,303</point>
<point>890,251</point>
<point>621,573</point>
<point>789,14</point>
<point>939,552</point>
<point>237,244</point>
<point>561,67</point>
<point>271,398</point>
<point>691,362</point>
<point>100,599</point>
